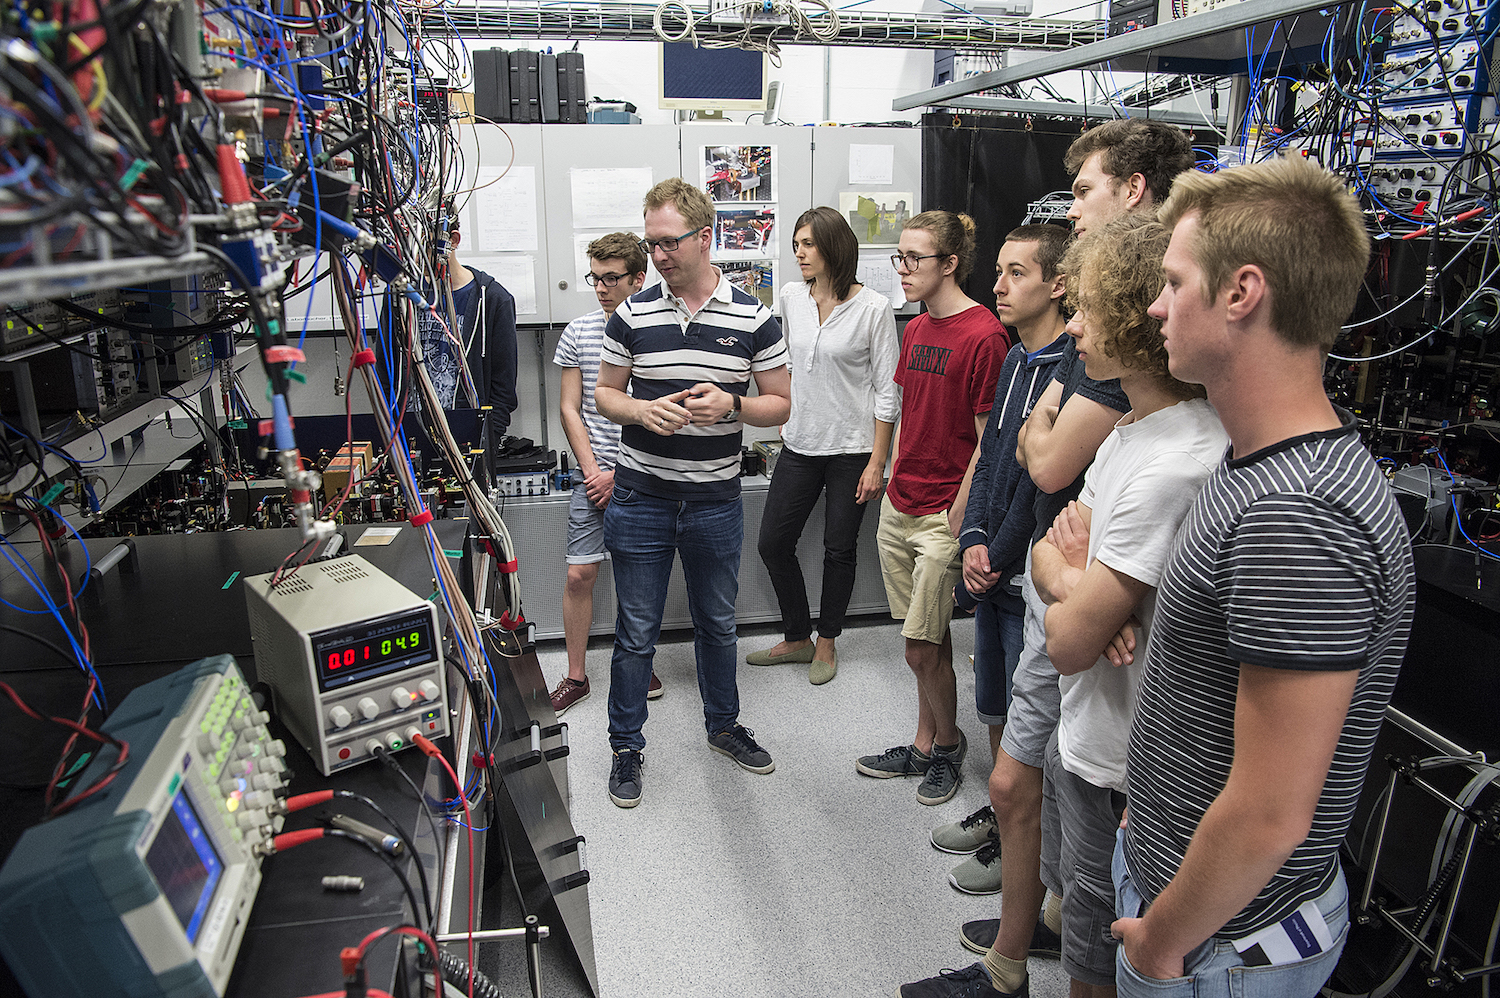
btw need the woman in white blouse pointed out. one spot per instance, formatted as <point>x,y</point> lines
<point>842,339</point>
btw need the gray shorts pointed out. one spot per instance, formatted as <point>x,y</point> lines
<point>1036,702</point>
<point>585,529</point>
<point>1080,837</point>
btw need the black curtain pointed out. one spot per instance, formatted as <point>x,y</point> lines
<point>990,167</point>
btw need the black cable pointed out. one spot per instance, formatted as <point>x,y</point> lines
<point>411,848</point>
<point>389,761</point>
<point>52,646</point>
<point>456,969</point>
<point>385,858</point>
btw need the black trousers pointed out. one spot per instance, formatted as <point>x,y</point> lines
<point>795,487</point>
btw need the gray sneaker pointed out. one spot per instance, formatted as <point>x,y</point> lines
<point>943,774</point>
<point>961,838</point>
<point>980,873</point>
<point>738,742</point>
<point>902,760</point>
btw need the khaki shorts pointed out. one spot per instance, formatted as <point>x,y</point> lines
<point>921,563</point>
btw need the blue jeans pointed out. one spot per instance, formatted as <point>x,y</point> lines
<point>997,649</point>
<point>1215,969</point>
<point>644,534</point>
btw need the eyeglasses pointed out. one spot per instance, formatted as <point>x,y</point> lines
<point>669,244</point>
<point>608,280</point>
<point>912,261</point>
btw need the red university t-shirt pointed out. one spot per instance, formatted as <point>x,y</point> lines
<point>947,376</point>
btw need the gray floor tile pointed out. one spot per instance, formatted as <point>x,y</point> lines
<point>812,880</point>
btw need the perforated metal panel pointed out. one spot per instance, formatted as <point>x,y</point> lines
<point>539,527</point>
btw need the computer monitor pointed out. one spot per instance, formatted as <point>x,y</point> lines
<point>705,79</point>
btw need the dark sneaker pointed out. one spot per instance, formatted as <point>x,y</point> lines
<point>568,692</point>
<point>980,873</point>
<point>625,778</point>
<point>979,935</point>
<point>738,742</point>
<point>962,838</point>
<point>903,760</point>
<point>971,982</point>
<point>654,691</point>
<point>943,774</point>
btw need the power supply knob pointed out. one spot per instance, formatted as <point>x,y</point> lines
<point>368,708</point>
<point>340,717</point>
<point>430,691</point>
<point>401,697</point>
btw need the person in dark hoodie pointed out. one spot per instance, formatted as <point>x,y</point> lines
<point>999,520</point>
<point>481,315</point>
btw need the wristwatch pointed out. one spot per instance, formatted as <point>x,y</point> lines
<point>735,412</point>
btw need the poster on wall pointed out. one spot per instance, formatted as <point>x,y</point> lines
<point>876,273</point>
<point>505,210</point>
<point>740,233</point>
<point>516,272</point>
<point>609,197</point>
<point>876,216</point>
<point>754,277</point>
<point>739,173</point>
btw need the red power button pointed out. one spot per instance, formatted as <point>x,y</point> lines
<point>344,752</point>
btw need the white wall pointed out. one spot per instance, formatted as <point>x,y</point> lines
<point>863,81</point>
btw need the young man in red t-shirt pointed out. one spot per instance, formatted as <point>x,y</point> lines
<point>950,359</point>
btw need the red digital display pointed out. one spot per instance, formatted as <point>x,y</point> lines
<point>355,652</point>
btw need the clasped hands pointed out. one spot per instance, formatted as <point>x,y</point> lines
<point>701,405</point>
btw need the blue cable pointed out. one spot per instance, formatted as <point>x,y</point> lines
<point>1458,519</point>
<point>29,573</point>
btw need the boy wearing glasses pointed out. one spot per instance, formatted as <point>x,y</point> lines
<point>617,270</point>
<point>950,360</point>
<point>686,350</point>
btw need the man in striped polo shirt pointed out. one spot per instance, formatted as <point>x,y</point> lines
<point>686,349</point>
<point>1282,615</point>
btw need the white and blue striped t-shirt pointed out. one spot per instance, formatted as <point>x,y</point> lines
<point>667,349</point>
<point>1294,557</point>
<point>579,347</point>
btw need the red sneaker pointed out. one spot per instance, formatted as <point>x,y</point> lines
<point>568,692</point>
<point>655,691</point>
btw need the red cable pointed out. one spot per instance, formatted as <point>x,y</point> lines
<point>427,748</point>
<point>413,931</point>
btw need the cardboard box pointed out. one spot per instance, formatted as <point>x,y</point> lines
<point>352,459</point>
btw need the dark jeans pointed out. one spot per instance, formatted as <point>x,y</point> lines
<point>794,491</point>
<point>644,535</point>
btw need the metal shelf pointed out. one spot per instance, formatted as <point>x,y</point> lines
<point>627,21</point>
<point>124,464</point>
<point>1006,105</point>
<point>59,280</point>
<point>1209,42</point>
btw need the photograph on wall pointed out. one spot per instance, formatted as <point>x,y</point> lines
<point>876,216</point>
<point>744,232</point>
<point>739,173</point>
<point>754,277</point>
